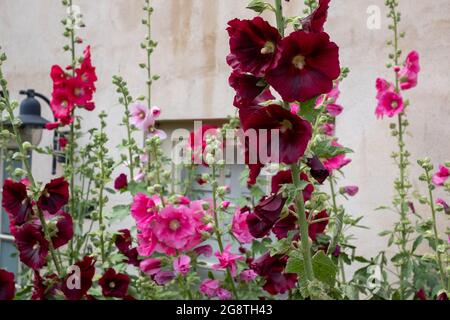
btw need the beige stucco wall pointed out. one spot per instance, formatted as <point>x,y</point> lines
<point>191,61</point>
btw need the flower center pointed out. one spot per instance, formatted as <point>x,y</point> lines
<point>174,225</point>
<point>112,284</point>
<point>268,48</point>
<point>285,126</point>
<point>45,193</point>
<point>142,115</point>
<point>394,105</point>
<point>299,62</point>
<point>78,91</point>
<point>36,246</point>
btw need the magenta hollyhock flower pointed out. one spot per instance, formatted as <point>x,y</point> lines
<point>209,287</point>
<point>239,225</point>
<point>143,210</point>
<point>32,246</point>
<point>285,177</point>
<point>87,271</point>
<point>316,20</point>
<point>408,75</point>
<point>265,215</point>
<point>141,117</point>
<point>182,264</point>
<point>224,294</point>
<point>205,250</point>
<point>247,88</point>
<point>7,285</point>
<point>383,86</point>
<point>253,46</point>
<point>390,104</point>
<point>317,169</point>
<point>16,203</point>
<point>350,190</point>
<point>330,97</point>
<point>121,182</point>
<point>151,266</point>
<point>155,112</point>
<point>271,268</point>
<point>295,108</point>
<point>54,196</point>
<point>337,162</point>
<point>248,275</point>
<point>227,260</point>
<point>444,205</point>
<point>164,277</point>
<point>334,109</point>
<point>440,177</point>
<point>308,65</point>
<point>328,129</point>
<point>114,285</point>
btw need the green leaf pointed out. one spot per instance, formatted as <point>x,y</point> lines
<point>280,247</point>
<point>324,268</point>
<point>258,6</point>
<point>417,243</point>
<point>308,110</point>
<point>295,264</point>
<point>119,213</point>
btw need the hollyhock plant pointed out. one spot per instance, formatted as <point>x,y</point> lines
<point>308,65</point>
<point>440,177</point>
<point>113,284</point>
<point>32,245</point>
<point>54,196</point>
<point>239,225</point>
<point>7,285</point>
<point>182,264</point>
<point>227,260</point>
<point>253,46</point>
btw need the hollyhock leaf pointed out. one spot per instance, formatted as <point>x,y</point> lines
<point>324,268</point>
<point>308,110</point>
<point>295,264</point>
<point>119,213</point>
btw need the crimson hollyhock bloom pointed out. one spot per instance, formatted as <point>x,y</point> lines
<point>16,203</point>
<point>253,46</point>
<point>308,65</point>
<point>121,182</point>
<point>317,169</point>
<point>294,134</point>
<point>315,21</point>
<point>265,215</point>
<point>114,285</point>
<point>285,177</point>
<point>32,245</point>
<point>123,243</point>
<point>319,227</point>
<point>54,196</point>
<point>44,288</point>
<point>7,285</point>
<point>87,272</point>
<point>61,104</point>
<point>282,228</point>
<point>247,87</point>
<point>272,270</point>
<point>64,229</point>
<point>86,72</point>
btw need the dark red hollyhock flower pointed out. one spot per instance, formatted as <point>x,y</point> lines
<point>253,46</point>
<point>64,229</point>
<point>44,288</point>
<point>114,285</point>
<point>442,297</point>
<point>285,177</point>
<point>63,142</point>
<point>308,65</point>
<point>87,272</point>
<point>123,243</point>
<point>54,196</point>
<point>315,21</point>
<point>247,87</point>
<point>289,223</point>
<point>121,182</point>
<point>32,246</point>
<point>16,202</point>
<point>318,170</point>
<point>265,215</point>
<point>272,270</point>
<point>294,135</point>
<point>421,295</point>
<point>7,285</point>
<point>319,227</point>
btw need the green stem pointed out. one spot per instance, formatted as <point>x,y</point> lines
<point>339,218</point>
<point>303,223</point>
<point>279,16</point>
<point>100,200</point>
<point>129,136</point>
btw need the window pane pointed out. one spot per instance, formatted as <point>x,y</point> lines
<point>8,256</point>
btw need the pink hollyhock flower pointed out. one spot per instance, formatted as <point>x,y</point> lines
<point>328,129</point>
<point>248,275</point>
<point>205,250</point>
<point>337,162</point>
<point>253,46</point>
<point>143,210</point>
<point>295,108</point>
<point>330,97</point>
<point>114,284</point>
<point>182,264</point>
<point>239,225</point>
<point>308,65</point>
<point>444,205</point>
<point>121,182</point>
<point>155,112</point>
<point>209,287</point>
<point>7,285</point>
<point>227,260</point>
<point>141,118</point>
<point>150,266</point>
<point>316,20</point>
<point>408,75</point>
<point>334,109</point>
<point>223,294</point>
<point>382,87</point>
<point>350,190</point>
<point>389,104</point>
<point>440,177</point>
<point>153,132</point>
<point>164,277</point>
